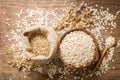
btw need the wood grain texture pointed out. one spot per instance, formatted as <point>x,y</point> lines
<point>12,6</point>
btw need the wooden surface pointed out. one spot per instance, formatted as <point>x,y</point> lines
<point>7,72</point>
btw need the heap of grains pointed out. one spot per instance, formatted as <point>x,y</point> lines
<point>21,63</point>
<point>40,45</point>
<point>77,49</point>
<point>96,20</point>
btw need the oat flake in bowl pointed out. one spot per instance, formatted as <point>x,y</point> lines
<point>78,48</point>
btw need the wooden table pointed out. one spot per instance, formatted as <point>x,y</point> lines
<point>8,8</point>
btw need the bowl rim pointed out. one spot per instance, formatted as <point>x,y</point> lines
<point>94,40</point>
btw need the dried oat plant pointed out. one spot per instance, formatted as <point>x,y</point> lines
<point>76,17</point>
